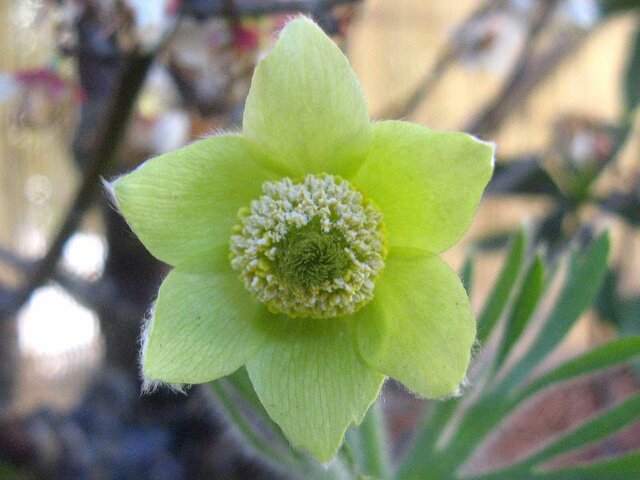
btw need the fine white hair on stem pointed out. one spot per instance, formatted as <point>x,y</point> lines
<point>150,385</point>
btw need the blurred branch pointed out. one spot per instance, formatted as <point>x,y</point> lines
<point>15,261</point>
<point>407,107</point>
<point>202,9</point>
<point>99,161</point>
<point>447,56</point>
<point>526,75</point>
<point>90,294</point>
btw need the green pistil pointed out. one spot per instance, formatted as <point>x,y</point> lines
<point>309,257</point>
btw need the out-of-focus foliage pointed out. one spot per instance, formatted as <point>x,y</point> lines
<point>618,6</point>
<point>632,76</point>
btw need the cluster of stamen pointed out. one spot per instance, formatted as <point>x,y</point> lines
<point>309,249</point>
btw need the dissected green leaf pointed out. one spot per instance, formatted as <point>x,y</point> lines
<point>467,273</point>
<point>607,356</point>
<point>419,458</point>
<point>623,467</point>
<point>610,7</point>
<point>584,274</point>
<point>632,76</point>
<point>501,292</point>
<point>595,429</point>
<point>598,428</point>
<point>370,446</point>
<point>531,291</point>
<point>586,271</point>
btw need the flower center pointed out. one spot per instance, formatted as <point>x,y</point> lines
<point>309,249</point>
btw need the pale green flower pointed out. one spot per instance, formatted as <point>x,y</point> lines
<point>306,248</point>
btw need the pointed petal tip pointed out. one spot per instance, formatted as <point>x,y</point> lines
<point>151,386</point>
<point>109,188</point>
<point>305,106</point>
<point>296,19</point>
<point>492,145</point>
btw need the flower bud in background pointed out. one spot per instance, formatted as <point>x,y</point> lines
<point>581,148</point>
<point>491,42</point>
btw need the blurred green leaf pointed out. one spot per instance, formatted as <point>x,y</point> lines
<point>586,271</point>
<point>467,273</point>
<point>369,445</point>
<point>531,291</point>
<point>607,356</point>
<point>624,467</point>
<point>469,420</point>
<point>632,75</point>
<point>607,299</point>
<point>622,312</point>
<point>597,428</point>
<point>502,289</point>
<point>9,472</point>
<point>522,176</point>
<point>492,408</point>
<point>610,7</point>
<point>494,241</point>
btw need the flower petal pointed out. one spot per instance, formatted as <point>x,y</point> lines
<point>419,329</point>
<point>184,203</point>
<point>427,183</point>
<point>312,382</point>
<point>305,105</point>
<point>204,326</point>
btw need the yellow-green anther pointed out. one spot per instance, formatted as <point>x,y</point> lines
<point>309,249</point>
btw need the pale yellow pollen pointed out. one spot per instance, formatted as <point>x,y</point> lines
<point>312,248</point>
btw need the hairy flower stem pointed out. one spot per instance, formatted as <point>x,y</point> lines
<point>275,453</point>
<point>373,445</point>
<point>246,430</point>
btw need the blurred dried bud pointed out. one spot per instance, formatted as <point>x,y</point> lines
<point>492,42</point>
<point>580,149</point>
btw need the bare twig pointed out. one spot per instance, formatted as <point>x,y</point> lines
<point>100,160</point>
<point>522,79</point>
<point>15,261</point>
<point>447,56</point>
<point>407,107</point>
<point>537,71</point>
